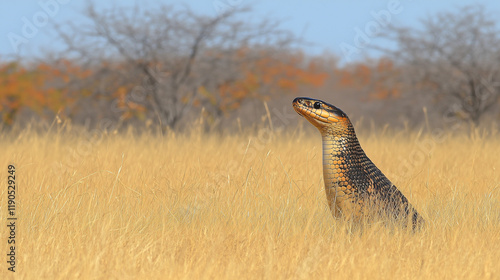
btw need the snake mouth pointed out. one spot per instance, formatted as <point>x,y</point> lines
<point>297,110</point>
<point>315,111</point>
<point>311,116</point>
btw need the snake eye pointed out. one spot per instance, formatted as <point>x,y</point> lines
<point>317,105</point>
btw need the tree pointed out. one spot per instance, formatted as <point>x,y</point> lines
<point>37,88</point>
<point>270,73</point>
<point>454,56</point>
<point>159,59</point>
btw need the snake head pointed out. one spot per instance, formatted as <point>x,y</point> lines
<point>319,113</point>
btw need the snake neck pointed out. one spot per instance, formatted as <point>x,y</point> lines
<point>347,169</point>
<point>343,159</point>
<point>341,145</point>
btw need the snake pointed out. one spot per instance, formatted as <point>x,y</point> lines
<point>355,187</point>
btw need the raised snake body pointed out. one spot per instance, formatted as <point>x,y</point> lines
<point>354,186</point>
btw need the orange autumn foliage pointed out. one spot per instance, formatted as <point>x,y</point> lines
<point>269,76</point>
<point>379,79</point>
<point>49,89</point>
<point>126,106</point>
<point>40,87</point>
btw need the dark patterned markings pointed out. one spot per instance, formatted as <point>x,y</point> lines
<point>354,186</point>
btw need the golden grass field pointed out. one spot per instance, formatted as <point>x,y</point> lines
<point>243,206</point>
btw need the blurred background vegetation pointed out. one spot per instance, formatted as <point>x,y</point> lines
<point>172,66</point>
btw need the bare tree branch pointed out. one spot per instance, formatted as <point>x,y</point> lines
<point>453,55</point>
<point>168,51</point>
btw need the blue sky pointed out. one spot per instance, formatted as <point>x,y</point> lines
<point>328,25</point>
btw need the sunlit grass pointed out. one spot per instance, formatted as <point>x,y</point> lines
<point>191,206</point>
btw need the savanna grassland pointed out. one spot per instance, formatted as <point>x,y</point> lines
<point>243,206</point>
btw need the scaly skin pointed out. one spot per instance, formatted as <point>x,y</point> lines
<point>354,186</point>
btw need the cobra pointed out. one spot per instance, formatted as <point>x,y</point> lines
<point>354,186</point>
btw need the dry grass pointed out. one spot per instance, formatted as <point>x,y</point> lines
<point>210,207</point>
